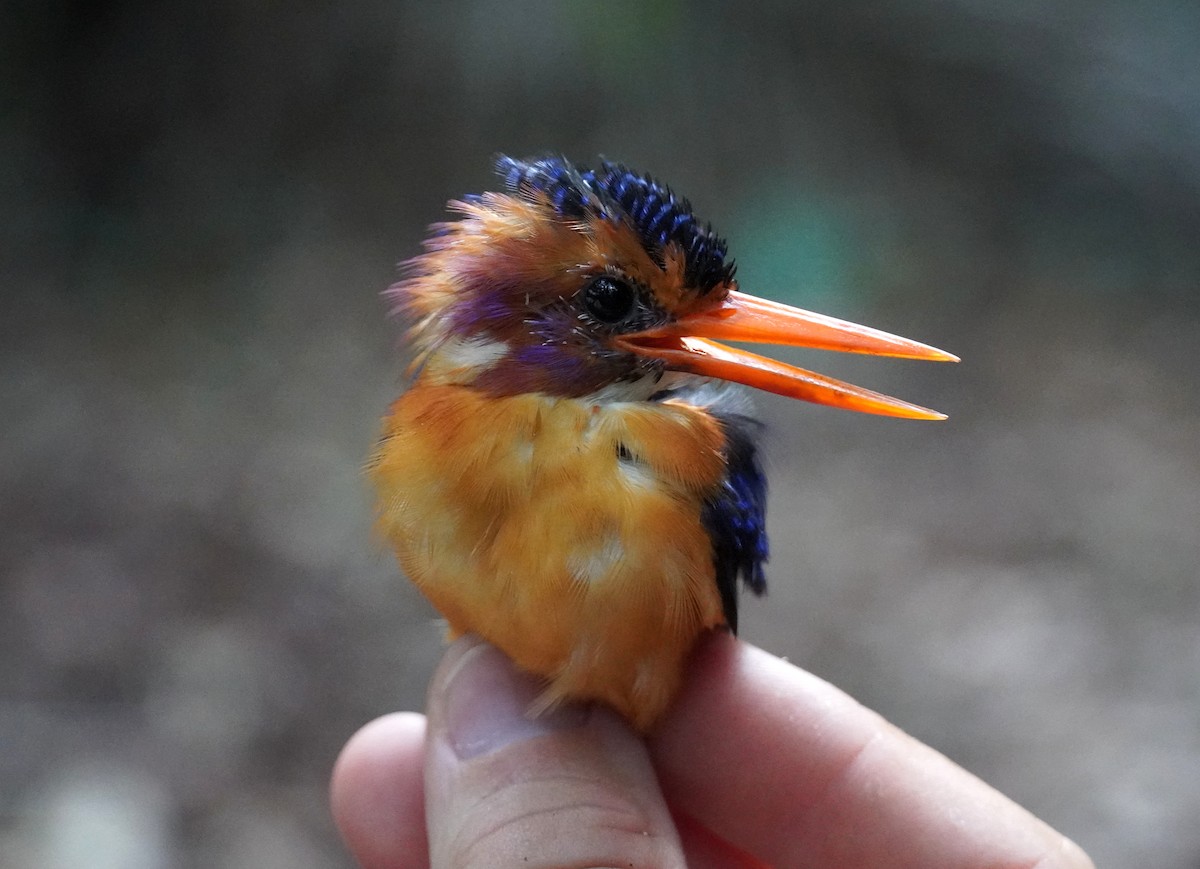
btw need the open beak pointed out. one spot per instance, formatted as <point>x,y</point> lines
<point>684,345</point>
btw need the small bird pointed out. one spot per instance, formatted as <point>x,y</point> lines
<point>569,474</point>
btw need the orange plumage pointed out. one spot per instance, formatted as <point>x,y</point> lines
<point>556,479</point>
<point>519,521</point>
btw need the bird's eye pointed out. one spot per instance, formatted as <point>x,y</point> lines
<point>609,299</point>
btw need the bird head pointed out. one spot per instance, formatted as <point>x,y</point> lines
<point>576,282</point>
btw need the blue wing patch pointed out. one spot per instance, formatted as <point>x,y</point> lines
<point>735,516</point>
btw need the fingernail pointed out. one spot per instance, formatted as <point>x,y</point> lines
<point>487,701</point>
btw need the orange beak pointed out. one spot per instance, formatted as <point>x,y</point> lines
<point>683,346</point>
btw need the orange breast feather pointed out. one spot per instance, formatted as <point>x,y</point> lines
<point>567,533</point>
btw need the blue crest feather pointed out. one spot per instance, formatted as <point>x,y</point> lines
<point>657,215</point>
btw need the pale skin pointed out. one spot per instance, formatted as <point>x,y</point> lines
<point>758,763</point>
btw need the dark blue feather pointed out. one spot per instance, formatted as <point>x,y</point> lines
<point>657,215</point>
<point>735,516</point>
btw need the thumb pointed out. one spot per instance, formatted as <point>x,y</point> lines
<point>572,787</point>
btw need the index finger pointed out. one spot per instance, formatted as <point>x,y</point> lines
<point>793,770</point>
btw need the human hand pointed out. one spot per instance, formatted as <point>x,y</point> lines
<point>756,758</point>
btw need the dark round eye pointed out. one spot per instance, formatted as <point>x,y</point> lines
<point>609,299</point>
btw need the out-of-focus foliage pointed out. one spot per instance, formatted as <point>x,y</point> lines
<point>200,202</point>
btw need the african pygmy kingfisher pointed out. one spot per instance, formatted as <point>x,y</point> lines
<point>569,475</point>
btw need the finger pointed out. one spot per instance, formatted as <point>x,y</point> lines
<point>573,787</point>
<point>786,766</point>
<point>378,796</point>
<point>704,849</point>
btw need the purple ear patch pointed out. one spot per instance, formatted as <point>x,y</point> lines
<point>491,310</point>
<point>552,369</point>
<point>550,356</point>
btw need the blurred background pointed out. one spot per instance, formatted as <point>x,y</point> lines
<point>200,203</point>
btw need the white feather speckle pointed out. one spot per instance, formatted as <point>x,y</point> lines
<point>595,563</point>
<point>470,355</point>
